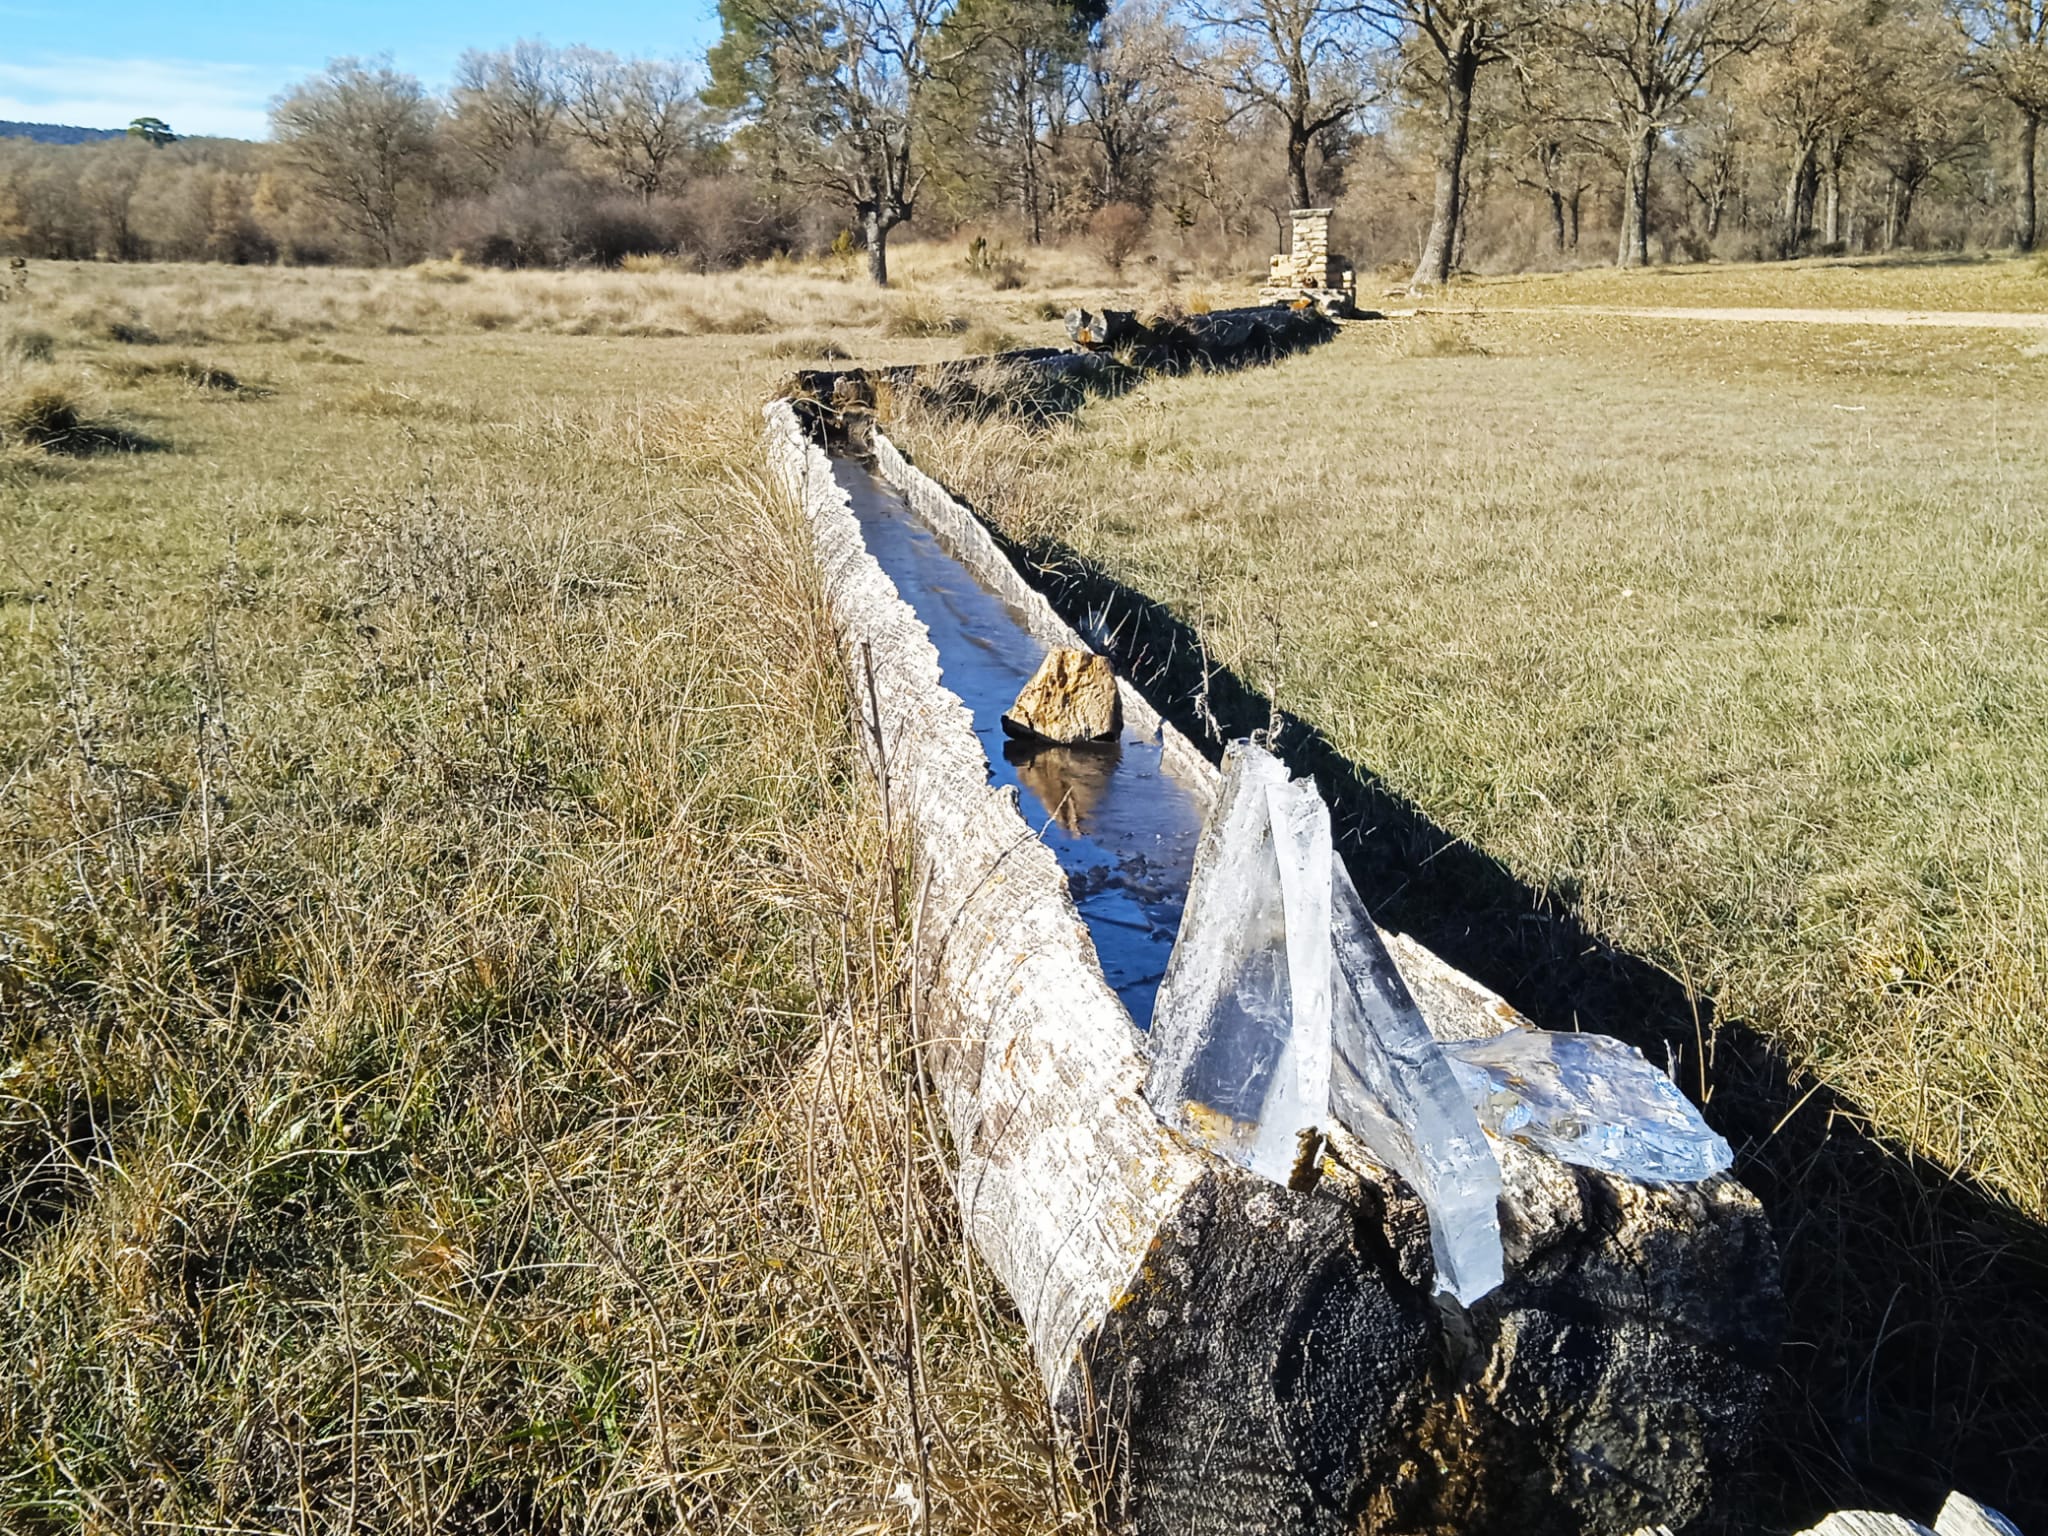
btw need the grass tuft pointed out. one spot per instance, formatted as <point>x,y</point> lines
<point>185,370</point>
<point>451,270</point>
<point>821,348</point>
<point>40,416</point>
<point>987,338</point>
<point>922,315</point>
<point>25,344</point>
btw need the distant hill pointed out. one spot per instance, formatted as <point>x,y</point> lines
<point>56,133</point>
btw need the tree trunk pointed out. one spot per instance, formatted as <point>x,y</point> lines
<point>2030,129</point>
<point>1557,219</point>
<point>1899,211</point>
<point>1577,197</point>
<point>1297,165</point>
<point>1798,210</point>
<point>876,232</point>
<point>1440,249</point>
<point>1635,211</point>
<point>1831,216</point>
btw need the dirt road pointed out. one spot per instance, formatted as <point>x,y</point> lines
<point>1954,319</point>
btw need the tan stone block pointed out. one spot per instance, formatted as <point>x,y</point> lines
<point>1071,698</point>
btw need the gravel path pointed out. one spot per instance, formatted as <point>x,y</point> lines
<point>1953,319</point>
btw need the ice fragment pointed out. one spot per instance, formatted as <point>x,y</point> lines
<point>1393,1088</point>
<point>1226,1067</point>
<point>1282,1010</point>
<point>1590,1100</point>
<point>1281,1006</point>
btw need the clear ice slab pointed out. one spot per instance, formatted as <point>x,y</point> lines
<point>1589,1100</point>
<point>1227,1054</point>
<point>1281,1008</point>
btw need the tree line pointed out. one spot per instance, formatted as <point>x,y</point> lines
<point>1448,134</point>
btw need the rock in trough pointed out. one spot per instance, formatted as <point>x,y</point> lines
<point>1071,698</point>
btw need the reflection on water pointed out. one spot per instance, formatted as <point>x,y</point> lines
<point>1069,781</point>
<point>1122,827</point>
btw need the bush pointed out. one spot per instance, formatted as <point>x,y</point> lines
<point>28,344</point>
<point>720,223</point>
<point>1116,230</point>
<point>995,265</point>
<point>922,316</point>
<point>44,416</point>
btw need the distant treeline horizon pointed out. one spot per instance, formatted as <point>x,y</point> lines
<point>1449,135</point>
<point>57,133</point>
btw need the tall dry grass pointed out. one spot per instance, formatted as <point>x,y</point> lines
<point>449,975</point>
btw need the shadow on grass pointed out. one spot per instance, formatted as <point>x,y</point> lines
<point>1917,1353</point>
<point>90,439</point>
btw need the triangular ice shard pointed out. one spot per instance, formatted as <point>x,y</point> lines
<point>1590,1100</point>
<point>1226,1065</point>
<point>1392,1087</point>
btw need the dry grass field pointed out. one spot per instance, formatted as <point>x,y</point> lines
<point>1995,283</point>
<point>1728,645</point>
<point>434,865</point>
<point>433,857</point>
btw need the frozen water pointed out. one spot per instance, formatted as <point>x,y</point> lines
<point>1281,1009</point>
<point>1281,1006</point>
<point>1590,1100</point>
<point>1226,1067</point>
<point>1392,1087</point>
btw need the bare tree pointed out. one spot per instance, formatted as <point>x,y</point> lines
<point>1653,56</point>
<point>362,137</point>
<point>1553,138</point>
<point>644,118</point>
<point>508,105</point>
<point>1455,39</point>
<point>2008,48</point>
<point>1128,97</point>
<point>1923,121</point>
<point>833,93</point>
<point>1304,61</point>
<point>1819,90</point>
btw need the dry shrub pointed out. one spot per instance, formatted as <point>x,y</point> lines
<point>922,315</point>
<point>822,348</point>
<point>644,263</point>
<point>1116,230</point>
<point>27,344</point>
<point>40,416</point>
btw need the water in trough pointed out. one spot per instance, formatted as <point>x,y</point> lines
<point>1122,826</point>
<point>1286,1009</point>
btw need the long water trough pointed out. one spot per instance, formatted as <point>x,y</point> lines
<point>1224,1353</point>
<point>1122,820</point>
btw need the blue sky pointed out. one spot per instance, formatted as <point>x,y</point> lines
<point>212,66</point>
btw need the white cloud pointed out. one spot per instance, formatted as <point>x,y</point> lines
<point>230,100</point>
